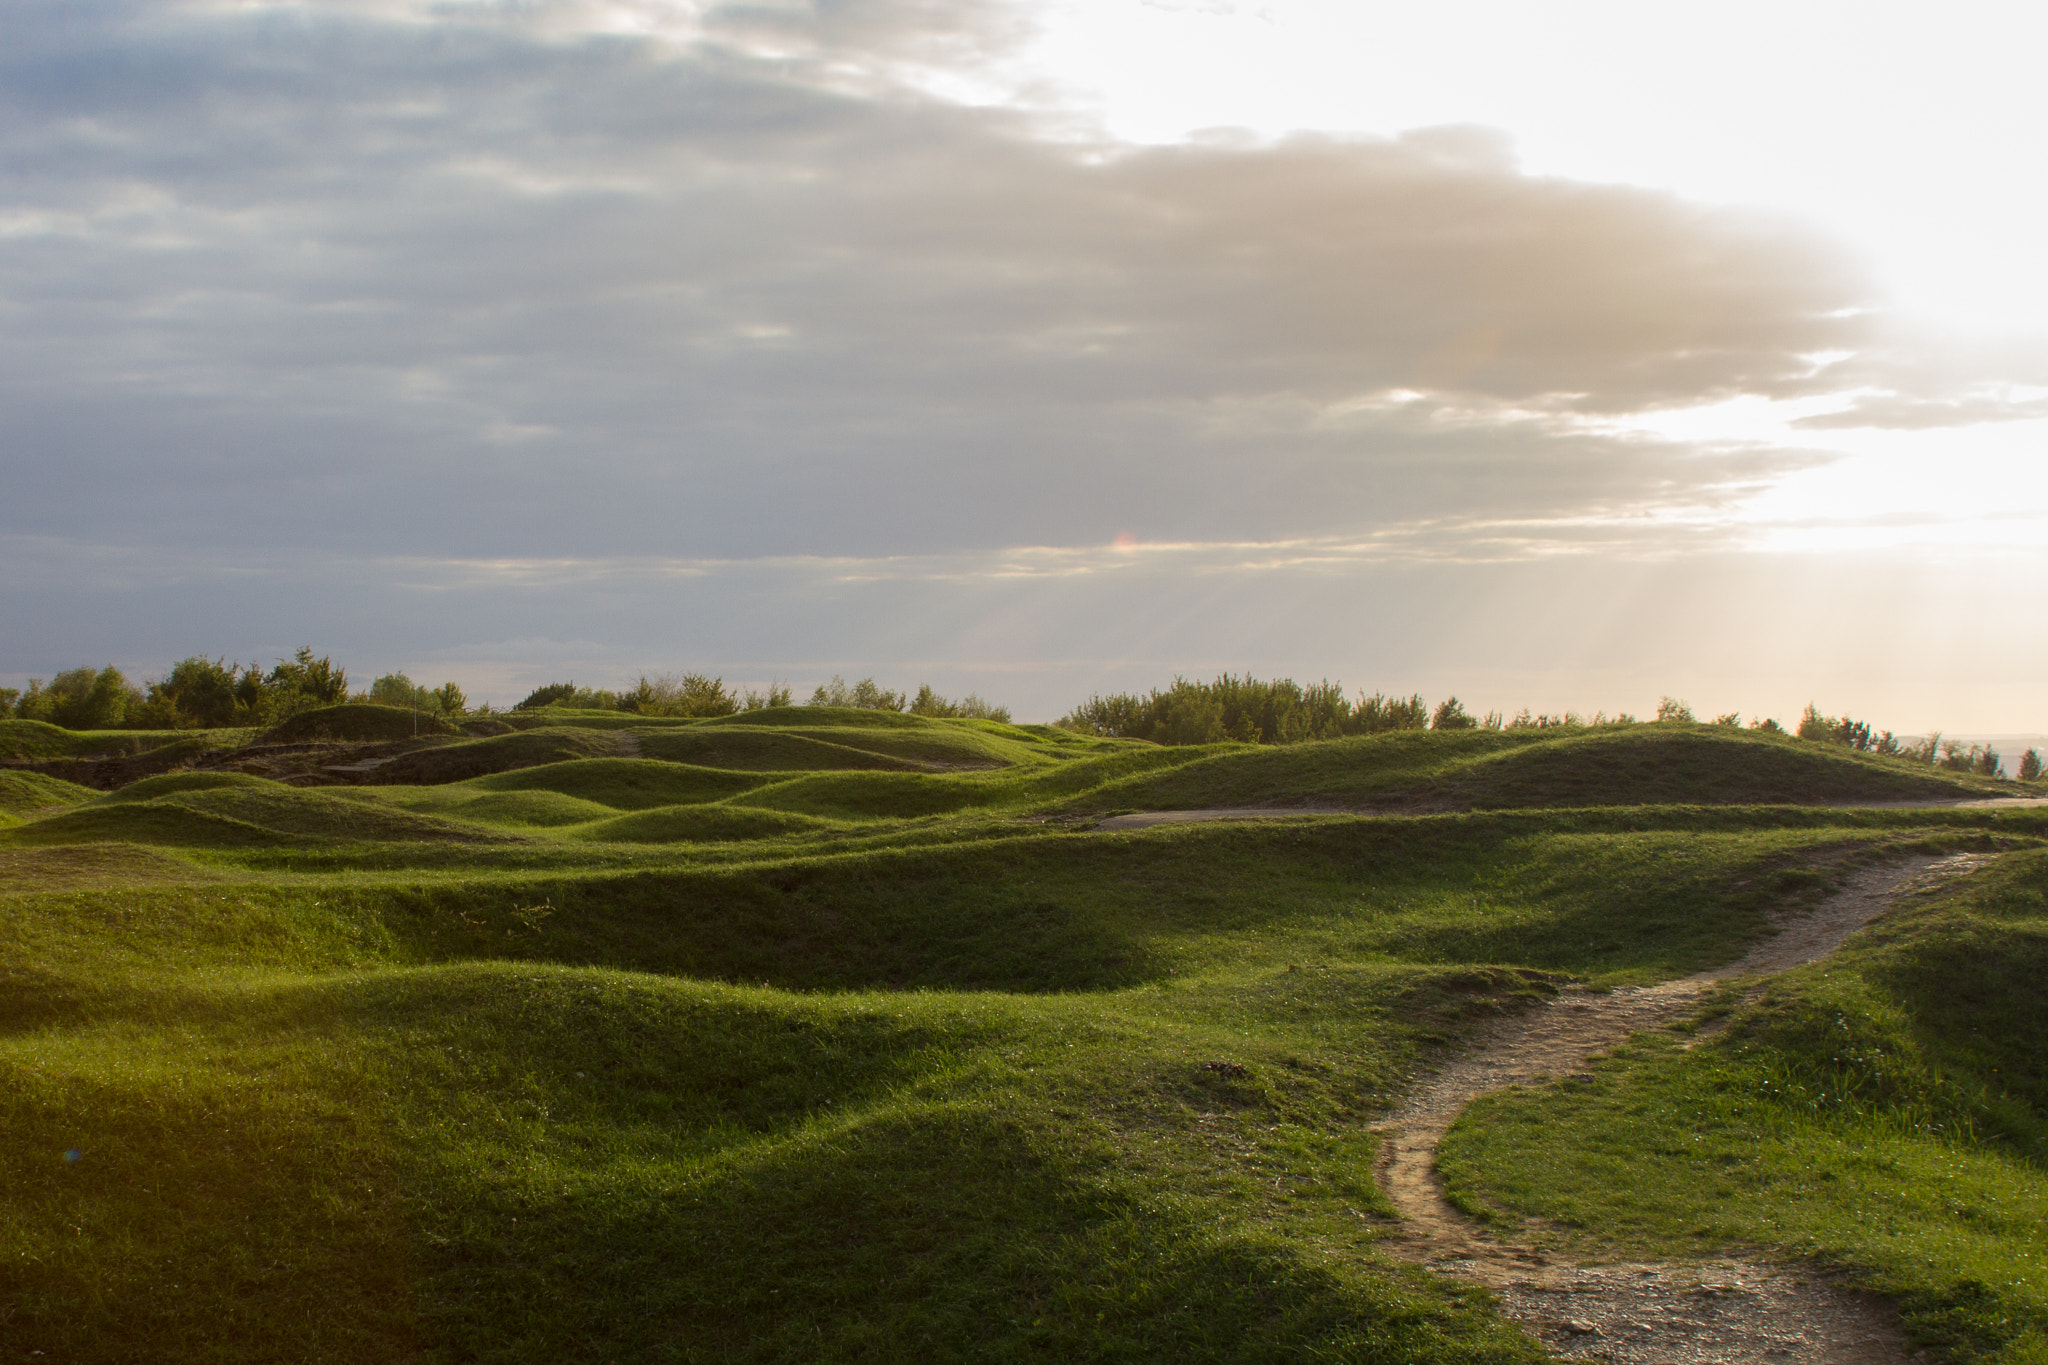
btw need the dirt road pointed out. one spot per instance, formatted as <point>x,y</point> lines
<point>1642,1314</point>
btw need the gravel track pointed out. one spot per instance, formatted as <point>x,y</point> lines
<point>1728,1310</point>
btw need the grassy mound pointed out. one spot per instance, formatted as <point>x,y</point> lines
<point>171,784</point>
<point>625,783</point>
<point>1608,766</point>
<point>1693,765</point>
<point>254,811</point>
<point>434,1157</point>
<point>466,759</point>
<point>703,824</point>
<point>34,739</point>
<point>759,750</point>
<point>29,793</point>
<point>357,723</point>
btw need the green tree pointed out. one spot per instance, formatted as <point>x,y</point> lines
<point>82,699</point>
<point>302,683</point>
<point>865,695</point>
<point>1451,715</point>
<point>198,691</point>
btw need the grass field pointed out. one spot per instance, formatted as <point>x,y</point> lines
<point>828,1035</point>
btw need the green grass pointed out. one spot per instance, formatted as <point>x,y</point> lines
<point>1614,765</point>
<point>34,739</point>
<point>814,1035</point>
<point>28,794</point>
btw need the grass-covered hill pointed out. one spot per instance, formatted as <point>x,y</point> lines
<point>818,1034</point>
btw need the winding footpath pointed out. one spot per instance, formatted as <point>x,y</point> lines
<point>1729,1310</point>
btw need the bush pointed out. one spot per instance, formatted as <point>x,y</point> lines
<point>300,683</point>
<point>693,694</point>
<point>199,693</point>
<point>2030,766</point>
<point>82,699</point>
<point>1246,709</point>
<point>864,695</point>
<point>777,695</point>
<point>358,723</point>
<point>395,689</point>
<point>1450,715</point>
<point>970,707</point>
<point>1671,708</point>
<point>569,695</point>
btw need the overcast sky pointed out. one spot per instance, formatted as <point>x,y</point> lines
<point>1033,350</point>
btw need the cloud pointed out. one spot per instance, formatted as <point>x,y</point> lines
<point>486,280</point>
<point>585,338</point>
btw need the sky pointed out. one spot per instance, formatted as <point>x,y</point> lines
<point>1563,356</point>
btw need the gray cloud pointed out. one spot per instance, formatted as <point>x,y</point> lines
<point>472,332</point>
<point>323,275</point>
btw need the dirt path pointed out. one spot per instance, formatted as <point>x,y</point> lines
<point>1721,1311</point>
<point>1146,819</point>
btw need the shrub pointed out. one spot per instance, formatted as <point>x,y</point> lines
<point>778,694</point>
<point>864,695</point>
<point>82,699</point>
<point>1671,708</point>
<point>1278,712</point>
<point>569,695</point>
<point>1450,715</point>
<point>1376,713</point>
<point>395,689</point>
<point>198,693</point>
<point>301,683</point>
<point>693,694</point>
<point>971,707</point>
<point>1524,721</point>
<point>2030,766</point>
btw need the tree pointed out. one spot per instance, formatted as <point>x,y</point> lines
<point>302,683</point>
<point>693,694</point>
<point>198,691</point>
<point>82,699</point>
<point>865,695</point>
<point>2030,766</point>
<point>1451,715</point>
<point>1671,708</point>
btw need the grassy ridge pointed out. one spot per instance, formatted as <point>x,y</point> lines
<point>840,1040</point>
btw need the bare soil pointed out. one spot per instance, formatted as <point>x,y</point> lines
<point>1148,818</point>
<point>1729,1310</point>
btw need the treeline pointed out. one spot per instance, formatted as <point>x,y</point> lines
<point>1282,711</point>
<point>1278,712</point>
<point>203,693</point>
<point>695,694</point>
<point>1981,759</point>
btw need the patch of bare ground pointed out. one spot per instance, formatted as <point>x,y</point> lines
<point>1729,1310</point>
<point>1148,818</point>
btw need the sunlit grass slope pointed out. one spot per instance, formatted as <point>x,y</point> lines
<point>1887,1109</point>
<point>1622,765</point>
<point>24,794</point>
<point>809,1035</point>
